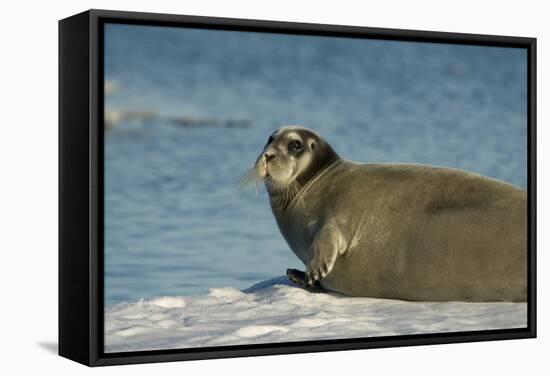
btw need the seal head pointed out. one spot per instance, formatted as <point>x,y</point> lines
<point>292,156</point>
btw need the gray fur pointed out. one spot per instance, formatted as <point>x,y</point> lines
<point>404,231</point>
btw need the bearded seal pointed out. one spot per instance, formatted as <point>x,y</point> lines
<point>398,231</point>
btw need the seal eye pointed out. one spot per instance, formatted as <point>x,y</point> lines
<point>270,140</point>
<point>294,145</point>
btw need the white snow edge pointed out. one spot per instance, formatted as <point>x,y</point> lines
<point>277,311</point>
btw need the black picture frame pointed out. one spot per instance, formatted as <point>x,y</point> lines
<point>81,304</point>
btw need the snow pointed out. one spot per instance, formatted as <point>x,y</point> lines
<point>277,311</point>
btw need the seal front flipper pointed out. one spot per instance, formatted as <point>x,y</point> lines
<point>327,245</point>
<point>298,277</point>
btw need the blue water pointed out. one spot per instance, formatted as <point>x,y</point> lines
<point>175,221</point>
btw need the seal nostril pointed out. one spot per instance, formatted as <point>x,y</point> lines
<point>269,157</point>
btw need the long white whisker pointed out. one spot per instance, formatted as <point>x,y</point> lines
<point>250,178</point>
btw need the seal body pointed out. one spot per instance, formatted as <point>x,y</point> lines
<point>410,232</point>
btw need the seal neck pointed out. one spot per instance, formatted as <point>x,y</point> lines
<point>316,177</point>
<point>284,200</point>
<point>324,158</point>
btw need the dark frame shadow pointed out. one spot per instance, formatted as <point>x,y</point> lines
<point>51,347</point>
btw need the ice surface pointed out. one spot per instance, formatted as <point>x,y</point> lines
<point>277,311</point>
